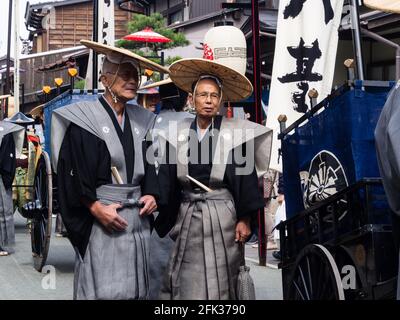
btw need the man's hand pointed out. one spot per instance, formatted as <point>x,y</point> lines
<point>150,205</point>
<point>242,230</point>
<point>108,216</point>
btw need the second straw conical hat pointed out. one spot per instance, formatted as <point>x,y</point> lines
<point>185,72</point>
<point>384,5</point>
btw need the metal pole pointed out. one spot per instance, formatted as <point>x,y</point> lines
<point>383,40</point>
<point>398,63</point>
<point>16,56</point>
<point>262,252</point>
<point>7,87</point>
<point>22,96</point>
<point>72,83</point>
<point>162,63</point>
<point>355,27</point>
<point>96,39</point>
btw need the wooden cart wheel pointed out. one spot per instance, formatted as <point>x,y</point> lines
<point>43,201</point>
<point>315,276</point>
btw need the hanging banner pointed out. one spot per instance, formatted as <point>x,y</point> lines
<point>305,55</point>
<point>106,35</point>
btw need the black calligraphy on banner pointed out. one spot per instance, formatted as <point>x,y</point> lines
<point>294,8</point>
<point>105,27</point>
<point>305,58</point>
<point>299,98</point>
<point>105,23</point>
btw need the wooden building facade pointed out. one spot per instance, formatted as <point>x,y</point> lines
<point>55,28</point>
<point>62,24</point>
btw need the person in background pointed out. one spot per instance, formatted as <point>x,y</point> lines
<point>148,96</point>
<point>280,215</point>
<point>387,135</point>
<point>11,142</point>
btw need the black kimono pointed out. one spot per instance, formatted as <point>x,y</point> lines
<point>11,140</point>
<point>7,160</point>
<point>83,166</point>
<point>245,190</point>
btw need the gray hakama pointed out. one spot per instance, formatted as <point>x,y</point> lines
<point>7,229</point>
<point>115,265</point>
<point>205,260</point>
<point>387,137</point>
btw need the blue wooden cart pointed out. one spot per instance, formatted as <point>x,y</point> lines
<point>337,241</point>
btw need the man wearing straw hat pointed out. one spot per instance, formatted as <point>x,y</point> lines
<point>11,141</point>
<point>209,184</point>
<point>107,188</point>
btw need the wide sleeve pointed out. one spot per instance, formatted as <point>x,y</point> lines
<point>7,160</point>
<point>244,184</point>
<point>84,165</point>
<point>170,193</point>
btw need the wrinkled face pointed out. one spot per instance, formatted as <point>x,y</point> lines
<point>206,98</point>
<point>125,84</point>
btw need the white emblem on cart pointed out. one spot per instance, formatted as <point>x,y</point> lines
<point>325,177</point>
<point>106,129</point>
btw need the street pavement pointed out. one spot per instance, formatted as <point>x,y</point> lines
<point>19,280</point>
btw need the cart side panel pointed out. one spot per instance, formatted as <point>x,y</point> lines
<point>333,150</point>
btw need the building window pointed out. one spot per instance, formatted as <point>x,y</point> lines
<point>175,17</point>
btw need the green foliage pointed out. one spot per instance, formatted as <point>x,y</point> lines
<point>157,23</point>
<point>79,84</point>
<point>171,60</point>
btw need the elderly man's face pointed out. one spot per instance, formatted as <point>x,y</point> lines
<point>126,81</point>
<point>207,98</point>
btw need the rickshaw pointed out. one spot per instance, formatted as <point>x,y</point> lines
<point>35,188</point>
<point>337,241</point>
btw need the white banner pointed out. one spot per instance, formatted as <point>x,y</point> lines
<point>106,35</point>
<point>305,55</point>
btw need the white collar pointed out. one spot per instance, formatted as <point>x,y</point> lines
<point>200,135</point>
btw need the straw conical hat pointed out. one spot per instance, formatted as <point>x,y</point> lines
<point>185,72</point>
<point>148,88</point>
<point>106,50</point>
<point>35,112</point>
<point>384,5</point>
<point>156,84</point>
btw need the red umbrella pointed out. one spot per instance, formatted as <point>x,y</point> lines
<point>147,35</point>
